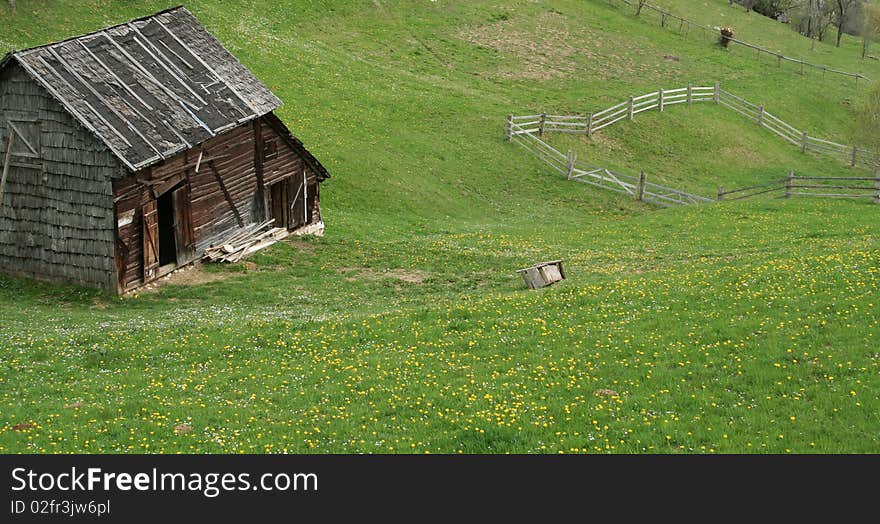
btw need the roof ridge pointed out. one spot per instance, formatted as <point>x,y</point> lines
<point>99,31</point>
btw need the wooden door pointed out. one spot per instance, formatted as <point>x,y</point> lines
<point>298,211</point>
<point>150,239</point>
<point>183,232</point>
<point>278,196</point>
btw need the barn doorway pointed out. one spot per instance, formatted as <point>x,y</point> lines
<point>167,243</point>
<point>168,240</point>
<point>278,203</point>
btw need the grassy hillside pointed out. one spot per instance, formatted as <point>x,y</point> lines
<point>734,327</point>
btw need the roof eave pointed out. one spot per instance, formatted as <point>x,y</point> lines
<point>7,58</point>
<point>275,122</point>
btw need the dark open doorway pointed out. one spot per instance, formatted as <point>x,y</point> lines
<point>167,244</point>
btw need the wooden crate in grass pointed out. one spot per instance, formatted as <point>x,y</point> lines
<point>543,274</point>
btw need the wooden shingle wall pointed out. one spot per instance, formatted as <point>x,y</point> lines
<point>57,219</point>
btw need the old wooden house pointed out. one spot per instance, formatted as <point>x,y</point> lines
<point>128,152</point>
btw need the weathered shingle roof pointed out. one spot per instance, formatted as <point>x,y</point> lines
<point>151,87</point>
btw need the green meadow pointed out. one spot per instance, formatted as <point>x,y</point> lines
<point>735,327</point>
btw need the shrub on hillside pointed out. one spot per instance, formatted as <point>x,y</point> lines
<point>726,34</point>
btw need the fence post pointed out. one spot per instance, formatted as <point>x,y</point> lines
<point>877,188</point>
<point>590,124</point>
<point>720,193</point>
<point>804,142</point>
<point>661,100</point>
<point>788,184</point>
<point>760,115</point>
<point>717,95</point>
<point>569,164</point>
<point>779,60</point>
<point>541,126</point>
<point>631,104</point>
<point>640,191</point>
<point>690,96</point>
<point>855,152</point>
<point>509,127</point>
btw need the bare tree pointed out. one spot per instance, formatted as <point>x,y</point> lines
<point>842,10</point>
<point>870,26</point>
<point>814,17</point>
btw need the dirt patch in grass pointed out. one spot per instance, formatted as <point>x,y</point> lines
<point>301,245</point>
<point>99,303</point>
<point>543,51</point>
<point>195,275</point>
<point>192,275</point>
<point>413,276</point>
<point>552,46</point>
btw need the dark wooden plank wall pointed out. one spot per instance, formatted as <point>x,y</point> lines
<point>132,196</point>
<point>286,161</point>
<point>57,223</point>
<point>212,213</point>
<point>213,218</point>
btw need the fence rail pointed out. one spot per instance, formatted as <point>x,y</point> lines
<point>751,191</point>
<point>816,186</point>
<point>685,27</point>
<point>839,187</point>
<point>529,130</point>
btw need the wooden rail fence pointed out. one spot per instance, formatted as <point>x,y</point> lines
<point>568,165</point>
<point>529,130</point>
<point>685,27</point>
<point>660,100</point>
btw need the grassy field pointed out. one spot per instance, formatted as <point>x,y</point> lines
<point>737,327</point>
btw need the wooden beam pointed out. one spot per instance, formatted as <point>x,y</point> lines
<point>34,151</point>
<point>305,198</point>
<point>187,166</point>
<point>258,166</point>
<point>9,141</point>
<point>225,192</point>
